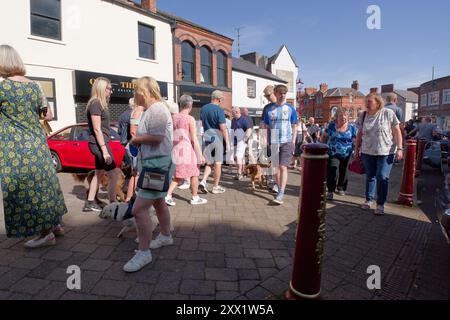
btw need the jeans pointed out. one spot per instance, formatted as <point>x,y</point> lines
<point>337,173</point>
<point>378,169</point>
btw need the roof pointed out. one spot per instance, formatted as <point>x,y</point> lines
<point>275,56</point>
<point>176,18</point>
<point>342,92</point>
<point>408,95</point>
<point>245,66</point>
<point>435,80</point>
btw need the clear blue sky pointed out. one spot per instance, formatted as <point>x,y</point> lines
<point>330,39</point>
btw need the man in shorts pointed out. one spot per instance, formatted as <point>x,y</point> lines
<point>242,131</point>
<point>281,119</point>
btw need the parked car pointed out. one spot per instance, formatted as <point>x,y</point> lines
<point>436,155</point>
<point>443,206</point>
<point>69,147</point>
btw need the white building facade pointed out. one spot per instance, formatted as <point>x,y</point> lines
<point>65,44</point>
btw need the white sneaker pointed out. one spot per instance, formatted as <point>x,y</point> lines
<point>161,241</point>
<point>48,240</point>
<point>367,205</point>
<point>275,189</point>
<point>170,201</point>
<point>203,187</point>
<point>139,261</point>
<point>218,190</point>
<point>184,186</point>
<point>199,201</point>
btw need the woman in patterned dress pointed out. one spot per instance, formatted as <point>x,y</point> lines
<point>32,198</point>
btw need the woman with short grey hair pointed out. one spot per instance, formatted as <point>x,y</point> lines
<point>186,151</point>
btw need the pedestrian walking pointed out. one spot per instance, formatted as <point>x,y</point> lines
<point>241,133</point>
<point>424,130</point>
<point>98,116</point>
<point>313,130</point>
<point>250,142</point>
<point>154,138</point>
<point>339,136</point>
<point>33,202</point>
<point>302,136</point>
<point>215,136</point>
<point>186,153</point>
<point>380,142</point>
<point>281,118</point>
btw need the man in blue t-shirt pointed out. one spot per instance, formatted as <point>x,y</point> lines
<point>242,131</point>
<point>281,119</point>
<point>215,133</point>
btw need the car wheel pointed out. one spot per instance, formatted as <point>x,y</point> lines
<point>56,161</point>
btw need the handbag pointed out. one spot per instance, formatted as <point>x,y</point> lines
<point>155,179</point>
<point>357,166</point>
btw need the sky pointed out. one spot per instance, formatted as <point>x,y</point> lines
<point>330,39</point>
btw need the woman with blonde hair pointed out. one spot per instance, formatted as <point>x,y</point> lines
<point>154,139</point>
<point>32,198</point>
<point>339,135</point>
<point>97,111</point>
<point>380,142</point>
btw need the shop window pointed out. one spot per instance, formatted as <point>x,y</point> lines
<point>221,69</point>
<point>46,18</point>
<point>188,61</point>
<point>146,36</point>
<point>48,86</point>
<point>206,67</point>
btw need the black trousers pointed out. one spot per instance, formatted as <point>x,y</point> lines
<point>337,173</point>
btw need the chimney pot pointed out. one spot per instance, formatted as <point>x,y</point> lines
<point>355,85</point>
<point>149,4</point>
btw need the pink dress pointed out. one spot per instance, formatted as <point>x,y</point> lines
<point>183,153</point>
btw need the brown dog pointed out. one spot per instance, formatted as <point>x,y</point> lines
<point>255,172</point>
<point>104,181</point>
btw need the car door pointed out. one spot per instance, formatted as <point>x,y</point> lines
<point>60,143</point>
<point>116,147</point>
<point>82,157</point>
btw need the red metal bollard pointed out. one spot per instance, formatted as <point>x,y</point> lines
<point>310,238</point>
<point>420,150</point>
<point>407,189</point>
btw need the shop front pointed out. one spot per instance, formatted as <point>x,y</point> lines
<point>123,90</point>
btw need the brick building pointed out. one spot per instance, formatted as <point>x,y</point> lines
<point>322,104</point>
<point>434,101</point>
<point>202,62</point>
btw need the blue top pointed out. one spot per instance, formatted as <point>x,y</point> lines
<point>239,126</point>
<point>212,116</point>
<point>281,118</point>
<point>341,143</point>
<point>397,110</point>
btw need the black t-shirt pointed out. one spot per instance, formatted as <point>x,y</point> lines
<point>95,109</point>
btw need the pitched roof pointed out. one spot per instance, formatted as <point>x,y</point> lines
<point>273,58</point>
<point>408,95</point>
<point>245,66</point>
<point>342,92</point>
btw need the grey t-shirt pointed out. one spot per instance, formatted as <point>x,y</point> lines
<point>95,109</point>
<point>377,135</point>
<point>156,121</point>
<point>426,130</point>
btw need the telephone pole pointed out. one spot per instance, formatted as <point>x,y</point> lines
<point>239,39</point>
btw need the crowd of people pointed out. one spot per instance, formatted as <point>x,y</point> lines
<point>165,136</point>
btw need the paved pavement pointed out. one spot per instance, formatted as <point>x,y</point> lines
<point>235,247</point>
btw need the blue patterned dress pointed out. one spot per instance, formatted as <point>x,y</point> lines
<point>32,196</point>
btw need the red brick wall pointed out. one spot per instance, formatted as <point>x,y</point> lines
<point>441,110</point>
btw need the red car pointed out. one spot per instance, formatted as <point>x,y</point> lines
<point>69,147</point>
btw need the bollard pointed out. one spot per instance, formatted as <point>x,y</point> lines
<point>420,150</point>
<point>407,189</point>
<point>310,237</point>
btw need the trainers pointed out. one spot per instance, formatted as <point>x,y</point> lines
<point>218,190</point>
<point>379,211</point>
<point>161,241</point>
<point>58,231</point>
<point>275,189</point>
<point>139,261</point>
<point>184,186</point>
<point>203,187</point>
<point>170,201</point>
<point>341,192</point>
<point>91,206</point>
<point>367,205</point>
<point>48,240</point>
<point>330,196</point>
<point>279,199</point>
<point>198,201</point>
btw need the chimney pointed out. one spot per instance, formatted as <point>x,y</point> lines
<point>374,90</point>
<point>263,61</point>
<point>251,57</point>
<point>387,88</point>
<point>355,85</point>
<point>310,91</point>
<point>149,4</point>
<point>323,87</point>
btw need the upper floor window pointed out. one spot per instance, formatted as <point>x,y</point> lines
<point>251,88</point>
<point>221,69</point>
<point>433,98</point>
<point>188,61</point>
<point>423,100</point>
<point>206,62</point>
<point>46,18</point>
<point>446,96</point>
<point>146,36</point>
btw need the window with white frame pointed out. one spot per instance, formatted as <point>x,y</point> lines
<point>446,96</point>
<point>46,18</point>
<point>251,88</point>
<point>433,98</point>
<point>423,100</point>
